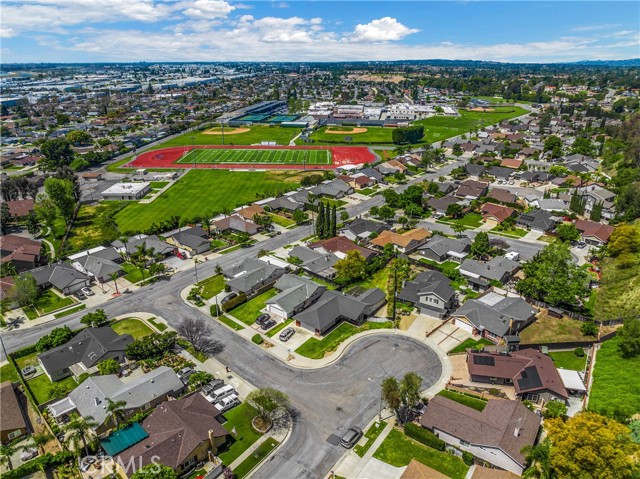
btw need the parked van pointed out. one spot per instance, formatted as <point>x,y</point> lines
<point>220,393</point>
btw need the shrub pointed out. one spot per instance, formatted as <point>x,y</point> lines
<point>467,458</point>
<point>579,352</point>
<point>589,328</point>
<point>45,461</point>
<point>257,339</point>
<point>213,310</point>
<point>424,436</point>
<point>237,301</point>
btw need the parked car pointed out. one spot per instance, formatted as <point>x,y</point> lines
<point>286,334</point>
<point>227,403</point>
<point>351,437</point>
<point>268,324</point>
<point>85,463</point>
<point>28,370</point>
<point>229,297</point>
<point>28,454</point>
<point>184,374</point>
<point>220,393</point>
<point>581,245</point>
<point>212,386</point>
<point>87,291</point>
<point>263,318</point>
<point>79,295</point>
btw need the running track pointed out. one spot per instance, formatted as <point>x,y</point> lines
<point>167,157</point>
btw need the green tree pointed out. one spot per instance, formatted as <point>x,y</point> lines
<point>199,378</point>
<point>410,389</point>
<point>46,212</point>
<point>539,459</point>
<point>6,452</point>
<point>551,276</point>
<point>386,213</point>
<point>567,232</point>
<point>555,409</point>
<point>155,471</point>
<point>480,248</point>
<point>458,228</point>
<point>320,221</point>
<point>596,211</point>
<point>300,217</point>
<point>78,137</point>
<point>624,239</point>
<point>80,430</point>
<point>62,196</point>
<point>270,406</point>
<point>5,218</point>
<point>391,394</point>
<point>95,319</point>
<point>582,146</point>
<point>629,336</point>
<point>457,150</point>
<point>24,290</point>
<point>57,153</point>
<point>116,409</point>
<point>38,441</point>
<point>108,366</point>
<point>334,222</point>
<point>454,210</point>
<point>352,268</point>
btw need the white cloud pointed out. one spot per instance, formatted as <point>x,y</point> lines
<point>279,5</point>
<point>589,28</point>
<point>384,29</point>
<point>208,9</point>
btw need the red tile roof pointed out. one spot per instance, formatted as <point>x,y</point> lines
<point>593,228</point>
<point>498,212</point>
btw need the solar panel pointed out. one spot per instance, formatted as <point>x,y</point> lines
<point>484,360</point>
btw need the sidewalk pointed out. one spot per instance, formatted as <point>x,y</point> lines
<point>351,465</point>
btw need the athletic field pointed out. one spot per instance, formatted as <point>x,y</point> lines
<point>257,156</point>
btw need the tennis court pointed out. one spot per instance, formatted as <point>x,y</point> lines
<point>257,156</point>
<point>282,118</point>
<point>255,118</point>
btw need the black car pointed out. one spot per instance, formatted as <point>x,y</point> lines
<point>212,386</point>
<point>229,297</point>
<point>351,437</point>
<point>263,318</point>
<point>268,324</point>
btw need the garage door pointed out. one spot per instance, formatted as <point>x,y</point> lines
<point>275,309</point>
<point>464,326</point>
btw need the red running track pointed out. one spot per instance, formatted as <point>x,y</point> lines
<point>167,157</point>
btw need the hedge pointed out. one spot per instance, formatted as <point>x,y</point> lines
<point>47,461</point>
<point>424,436</point>
<point>257,339</point>
<point>232,303</point>
<point>213,311</point>
<point>467,458</point>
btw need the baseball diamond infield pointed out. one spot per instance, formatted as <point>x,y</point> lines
<point>243,157</point>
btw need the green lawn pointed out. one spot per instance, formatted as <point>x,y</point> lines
<point>230,250</point>
<point>371,435</point>
<point>374,134</point>
<point>212,286</point>
<point>249,311</point>
<point>217,243</point>
<point>470,220</point>
<point>446,266</point>
<point>255,458</point>
<point>318,348</point>
<point>198,191</point>
<point>332,202</point>
<point>367,191</point>
<point>158,185</point>
<point>28,360</point>
<point>568,360</point>
<point>239,418</point>
<point>472,402</point>
<point>8,373</point>
<point>616,382</point>
<point>40,387</point>
<point>46,303</point>
<point>133,273</point>
<point>69,311</point>
<point>281,220</point>
<point>470,343</point>
<point>229,322</point>
<point>398,450</point>
<point>257,134</point>
<point>513,232</point>
<point>132,326</point>
<point>157,324</point>
<point>279,328</point>
<point>546,329</point>
<point>379,279</point>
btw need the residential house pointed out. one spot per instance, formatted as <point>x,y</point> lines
<point>547,204</point>
<point>283,203</point>
<point>480,274</point>
<point>251,275</point>
<point>502,196</point>
<point>236,223</point>
<point>595,194</point>
<point>151,242</point>
<point>474,170</point>
<point>405,242</point>
<point>333,307</point>
<point>362,229</point>
<point>532,373</point>
<point>315,262</point>
<point>440,205</point>
<point>496,213</point>
<point>12,422</point>
<point>98,263</point>
<point>512,163</point>
<point>472,190</point>
<point>249,212</point>
<point>340,246</point>
<point>22,253</point>
<point>295,293</point>
<point>179,434</point>
<point>193,239</point>
<point>332,188</point>
<point>20,208</point>
<point>442,248</point>
<point>494,316</point>
<point>537,220</point>
<point>140,394</point>
<point>447,187</point>
<point>84,351</point>
<point>431,293</point>
<point>499,172</point>
<point>497,434</point>
<point>372,173</point>
<point>594,233</point>
<point>62,276</point>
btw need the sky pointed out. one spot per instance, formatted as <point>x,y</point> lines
<point>303,30</point>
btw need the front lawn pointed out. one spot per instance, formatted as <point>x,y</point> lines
<point>229,322</point>
<point>132,326</point>
<point>568,360</point>
<point>398,450</point>
<point>371,435</point>
<point>255,458</point>
<point>157,324</point>
<point>41,387</point>
<point>69,311</point>
<point>281,220</point>
<point>279,328</point>
<point>470,343</point>
<point>318,348</point>
<point>513,232</point>
<point>239,419</point>
<point>211,286</point>
<point>469,401</point>
<point>46,303</point>
<point>616,382</point>
<point>133,273</point>
<point>249,311</point>
<point>470,220</point>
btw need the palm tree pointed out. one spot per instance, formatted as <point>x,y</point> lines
<point>116,410</point>
<point>80,427</point>
<point>114,277</point>
<point>6,451</point>
<point>38,440</point>
<point>538,458</point>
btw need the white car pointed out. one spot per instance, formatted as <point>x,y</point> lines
<point>227,403</point>
<point>87,291</point>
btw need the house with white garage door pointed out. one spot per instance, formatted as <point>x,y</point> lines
<point>295,293</point>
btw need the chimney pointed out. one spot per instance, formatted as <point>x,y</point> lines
<point>516,432</point>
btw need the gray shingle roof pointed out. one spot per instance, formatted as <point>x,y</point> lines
<point>59,275</point>
<point>496,318</point>
<point>441,245</point>
<point>427,282</point>
<point>314,261</point>
<point>494,269</point>
<point>294,291</point>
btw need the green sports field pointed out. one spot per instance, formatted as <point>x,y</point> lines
<point>256,135</point>
<point>254,156</point>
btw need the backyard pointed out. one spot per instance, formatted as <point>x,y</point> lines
<point>47,302</point>
<point>616,382</point>
<point>470,344</point>
<point>470,220</point>
<point>198,191</point>
<point>249,311</point>
<point>469,401</point>
<point>398,450</point>
<point>239,419</point>
<point>132,326</point>
<point>619,292</point>
<point>568,360</point>
<point>318,348</point>
<point>42,387</point>
<point>547,329</point>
